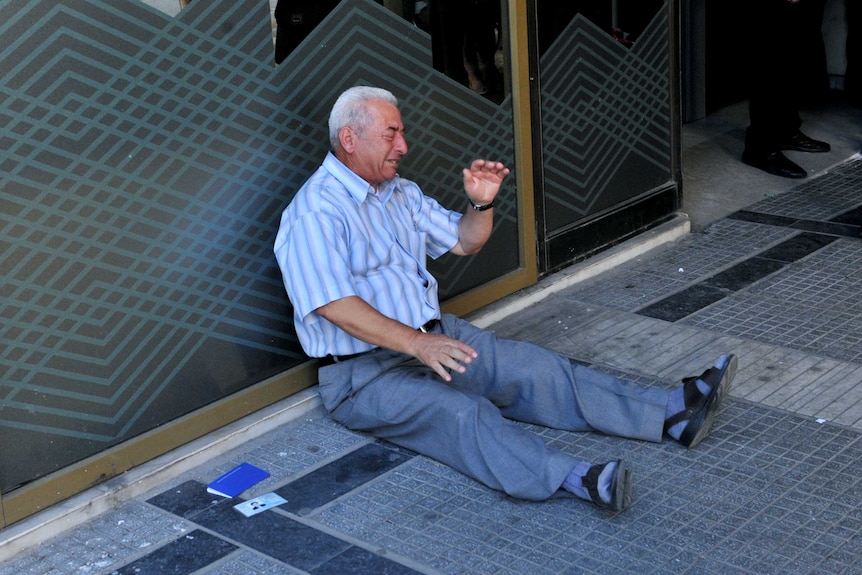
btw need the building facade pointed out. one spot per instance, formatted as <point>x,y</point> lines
<point>147,152</point>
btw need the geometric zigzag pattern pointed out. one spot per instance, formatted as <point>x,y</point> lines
<point>605,118</point>
<point>145,162</point>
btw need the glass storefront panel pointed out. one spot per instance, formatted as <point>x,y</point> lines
<point>606,117</point>
<point>146,159</point>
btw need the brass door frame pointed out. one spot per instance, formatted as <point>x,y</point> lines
<point>521,82</point>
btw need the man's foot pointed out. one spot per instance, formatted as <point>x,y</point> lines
<point>802,143</point>
<point>610,486</point>
<point>693,406</point>
<point>775,163</point>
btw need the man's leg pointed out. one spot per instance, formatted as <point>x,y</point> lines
<point>776,49</point>
<point>532,384</point>
<point>408,404</point>
<point>464,424</point>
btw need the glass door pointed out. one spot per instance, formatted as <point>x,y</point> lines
<point>607,160</point>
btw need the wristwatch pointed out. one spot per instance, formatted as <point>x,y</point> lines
<point>483,207</point>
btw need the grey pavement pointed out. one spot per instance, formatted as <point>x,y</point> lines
<point>776,488</point>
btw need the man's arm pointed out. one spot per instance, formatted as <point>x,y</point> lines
<point>439,352</point>
<point>482,182</point>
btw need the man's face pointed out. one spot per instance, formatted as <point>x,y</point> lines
<point>378,149</point>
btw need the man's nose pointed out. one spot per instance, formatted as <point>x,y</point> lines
<point>401,144</point>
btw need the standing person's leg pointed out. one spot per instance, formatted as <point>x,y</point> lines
<point>778,37</point>
<point>772,99</point>
<point>813,83</point>
<point>853,74</point>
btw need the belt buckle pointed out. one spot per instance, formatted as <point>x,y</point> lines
<point>422,329</point>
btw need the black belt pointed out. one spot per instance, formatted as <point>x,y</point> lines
<point>330,359</point>
<point>429,326</point>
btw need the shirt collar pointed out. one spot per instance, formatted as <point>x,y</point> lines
<point>356,186</point>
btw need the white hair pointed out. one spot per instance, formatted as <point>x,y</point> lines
<point>350,110</point>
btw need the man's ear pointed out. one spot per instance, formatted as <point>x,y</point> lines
<point>347,139</point>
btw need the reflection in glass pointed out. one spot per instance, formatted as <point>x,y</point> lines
<point>294,20</point>
<point>169,7</point>
<point>466,35</point>
<point>625,20</point>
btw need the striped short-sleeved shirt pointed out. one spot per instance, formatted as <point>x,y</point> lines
<point>339,238</point>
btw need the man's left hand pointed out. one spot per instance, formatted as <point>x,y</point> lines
<point>482,180</point>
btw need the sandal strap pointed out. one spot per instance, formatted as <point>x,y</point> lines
<point>590,481</point>
<point>692,396</point>
<point>711,377</point>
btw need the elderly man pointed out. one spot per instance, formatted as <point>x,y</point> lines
<point>352,248</point>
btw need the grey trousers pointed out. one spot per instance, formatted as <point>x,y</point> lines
<point>467,423</point>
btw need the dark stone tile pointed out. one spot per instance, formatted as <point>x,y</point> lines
<point>744,274</point>
<point>274,534</point>
<point>341,476</point>
<point>829,228</point>
<point>187,554</point>
<point>759,218</point>
<point>852,217</point>
<point>797,247</point>
<point>188,499</point>
<point>277,535</point>
<point>684,303</point>
<point>361,562</point>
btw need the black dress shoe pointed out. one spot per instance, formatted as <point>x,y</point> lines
<point>802,143</point>
<point>775,163</point>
